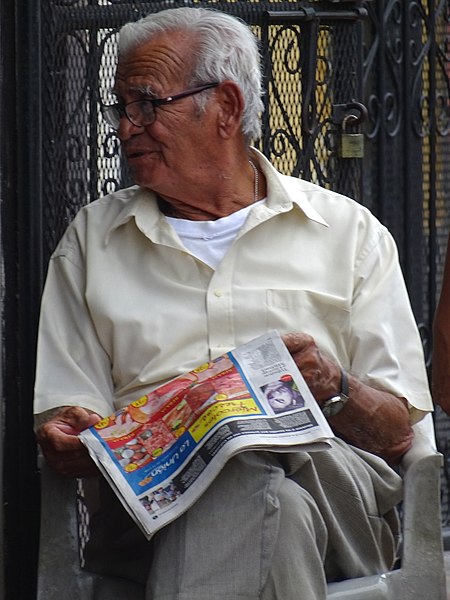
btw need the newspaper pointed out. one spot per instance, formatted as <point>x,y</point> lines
<point>162,451</point>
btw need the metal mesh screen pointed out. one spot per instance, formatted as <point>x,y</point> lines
<point>319,58</point>
<point>433,124</point>
<point>406,174</point>
<point>310,65</point>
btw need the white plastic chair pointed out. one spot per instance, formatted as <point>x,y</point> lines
<point>421,574</point>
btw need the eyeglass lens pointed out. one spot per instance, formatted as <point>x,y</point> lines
<point>142,112</point>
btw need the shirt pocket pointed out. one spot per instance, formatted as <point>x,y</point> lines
<point>324,316</point>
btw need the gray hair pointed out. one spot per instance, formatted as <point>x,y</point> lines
<point>226,50</point>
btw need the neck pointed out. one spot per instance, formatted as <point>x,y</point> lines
<point>228,191</point>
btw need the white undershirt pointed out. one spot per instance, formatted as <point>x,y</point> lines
<point>210,240</point>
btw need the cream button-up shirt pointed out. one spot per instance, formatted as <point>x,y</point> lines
<point>126,306</point>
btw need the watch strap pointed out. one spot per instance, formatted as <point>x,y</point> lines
<point>335,404</point>
<point>344,384</point>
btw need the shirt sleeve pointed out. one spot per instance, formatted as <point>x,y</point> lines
<point>386,350</point>
<point>72,367</point>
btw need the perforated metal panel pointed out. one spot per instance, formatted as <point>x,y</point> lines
<point>311,60</point>
<point>322,60</point>
<point>319,58</point>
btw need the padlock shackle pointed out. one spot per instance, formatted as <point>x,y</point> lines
<point>350,119</point>
<point>355,119</point>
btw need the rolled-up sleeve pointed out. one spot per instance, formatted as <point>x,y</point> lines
<point>73,368</point>
<point>386,350</point>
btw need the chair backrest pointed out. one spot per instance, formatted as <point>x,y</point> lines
<point>64,523</point>
<point>59,566</point>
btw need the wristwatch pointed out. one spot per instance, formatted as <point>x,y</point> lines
<point>334,405</point>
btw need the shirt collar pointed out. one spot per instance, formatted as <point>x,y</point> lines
<point>283,192</point>
<point>142,207</point>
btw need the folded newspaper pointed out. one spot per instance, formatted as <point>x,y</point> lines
<point>162,451</point>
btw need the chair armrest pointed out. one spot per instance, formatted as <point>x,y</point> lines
<point>422,565</point>
<point>421,573</point>
<point>424,443</point>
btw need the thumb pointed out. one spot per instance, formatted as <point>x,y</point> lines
<point>76,418</point>
<point>93,419</point>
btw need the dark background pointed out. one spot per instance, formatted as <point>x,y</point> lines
<point>385,62</point>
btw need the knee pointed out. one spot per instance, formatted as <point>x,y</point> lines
<point>300,518</point>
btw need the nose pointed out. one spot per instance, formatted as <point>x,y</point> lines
<point>127,129</point>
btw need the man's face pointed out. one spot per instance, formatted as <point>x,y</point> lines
<point>168,155</point>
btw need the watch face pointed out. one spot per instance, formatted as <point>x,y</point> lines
<point>333,406</point>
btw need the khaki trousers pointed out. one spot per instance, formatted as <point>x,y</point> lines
<point>270,527</point>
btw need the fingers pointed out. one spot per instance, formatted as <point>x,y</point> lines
<point>296,342</point>
<point>71,464</point>
<point>63,450</point>
<point>320,373</point>
<point>75,418</point>
<point>305,353</point>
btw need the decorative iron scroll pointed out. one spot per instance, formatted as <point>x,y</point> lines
<point>391,56</point>
<point>406,176</point>
<point>310,54</point>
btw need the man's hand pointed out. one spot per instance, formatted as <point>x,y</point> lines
<point>372,419</point>
<point>321,374</point>
<point>60,445</point>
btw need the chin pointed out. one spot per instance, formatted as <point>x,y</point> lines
<point>143,171</point>
<point>143,179</point>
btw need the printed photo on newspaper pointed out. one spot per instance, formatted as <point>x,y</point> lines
<point>162,451</point>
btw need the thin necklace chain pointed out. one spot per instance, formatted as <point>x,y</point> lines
<point>256,186</point>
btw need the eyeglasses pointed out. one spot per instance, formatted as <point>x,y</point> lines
<point>142,112</point>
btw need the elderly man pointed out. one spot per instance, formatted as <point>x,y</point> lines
<point>211,248</point>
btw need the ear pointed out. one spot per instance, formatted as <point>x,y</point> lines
<point>230,109</point>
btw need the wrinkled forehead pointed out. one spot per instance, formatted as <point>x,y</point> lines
<point>167,59</point>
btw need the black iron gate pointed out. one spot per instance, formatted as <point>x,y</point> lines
<point>377,70</point>
<point>406,172</point>
<point>313,58</point>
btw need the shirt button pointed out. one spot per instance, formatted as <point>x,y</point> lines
<point>218,293</point>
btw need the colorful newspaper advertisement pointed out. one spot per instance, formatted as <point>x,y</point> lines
<point>162,451</point>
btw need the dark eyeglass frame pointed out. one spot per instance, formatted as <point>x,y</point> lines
<point>113,113</point>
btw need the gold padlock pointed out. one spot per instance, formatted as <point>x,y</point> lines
<point>351,145</point>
